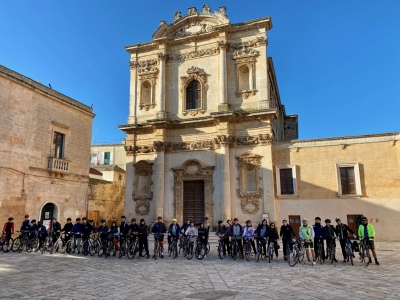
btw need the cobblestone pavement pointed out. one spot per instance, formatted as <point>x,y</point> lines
<point>58,276</point>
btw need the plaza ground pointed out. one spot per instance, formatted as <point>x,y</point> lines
<point>58,276</point>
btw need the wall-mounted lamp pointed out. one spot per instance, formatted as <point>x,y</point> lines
<point>53,182</point>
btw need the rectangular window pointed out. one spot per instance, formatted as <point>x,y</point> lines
<point>348,181</point>
<point>107,160</point>
<point>58,145</point>
<point>286,177</point>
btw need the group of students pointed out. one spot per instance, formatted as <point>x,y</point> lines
<point>311,235</point>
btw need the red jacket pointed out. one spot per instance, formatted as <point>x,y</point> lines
<point>6,227</point>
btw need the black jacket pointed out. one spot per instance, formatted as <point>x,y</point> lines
<point>102,230</point>
<point>55,227</point>
<point>342,229</point>
<point>329,232</point>
<point>142,231</point>
<point>221,230</point>
<point>67,227</point>
<point>184,227</point>
<point>273,235</point>
<point>123,226</point>
<point>133,228</point>
<point>203,234</point>
<point>86,229</point>
<point>287,232</point>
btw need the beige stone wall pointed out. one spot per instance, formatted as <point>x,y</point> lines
<point>30,114</point>
<point>317,181</point>
<point>108,197</point>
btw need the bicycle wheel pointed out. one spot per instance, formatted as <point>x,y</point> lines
<point>175,250</point>
<point>301,254</point>
<point>190,251</point>
<point>52,249</point>
<point>169,250</point>
<point>270,253</point>
<point>156,250</point>
<point>234,251</point>
<point>208,248</point>
<point>102,250</point>
<point>85,248</point>
<point>247,253</point>
<point>292,256</point>
<point>69,247</point>
<point>201,251</point>
<point>121,251</point>
<point>259,249</point>
<point>367,256</point>
<point>15,245</point>
<point>23,244</point>
<point>94,248</point>
<point>319,253</point>
<point>10,245</point>
<point>220,251</point>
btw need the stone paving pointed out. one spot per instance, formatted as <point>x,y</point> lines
<point>58,276</point>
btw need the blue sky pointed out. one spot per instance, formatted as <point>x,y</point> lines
<point>337,62</point>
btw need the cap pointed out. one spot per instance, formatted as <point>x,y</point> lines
<point>141,220</point>
<point>174,220</point>
<point>133,220</point>
<point>327,221</point>
<point>304,219</point>
<point>159,217</point>
<point>337,219</point>
<point>26,215</point>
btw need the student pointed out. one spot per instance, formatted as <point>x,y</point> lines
<point>221,232</point>
<point>102,230</point>
<point>55,229</point>
<point>236,230</point>
<point>143,242</point>
<point>307,234</point>
<point>42,234</point>
<point>248,234</point>
<point>32,235</point>
<point>77,232</point>
<point>8,230</point>
<point>26,223</point>
<point>114,230</point>
<point>287,233</point>
<point>342,231</point>
<point>191,232</point>
<point>159,229</point>
<point>319,235</point>
<point>173,231</point>
<point>262,234</point>
<point>329,234</point>
<point>133,229</point>
<point>273,237</point>
<point>207,224</point>
<point>67,229</point>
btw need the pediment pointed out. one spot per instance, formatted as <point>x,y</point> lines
<point>193,24</point>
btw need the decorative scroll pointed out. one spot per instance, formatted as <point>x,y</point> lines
<point>143,63</point>
<point>192,54</point>
<point>260,41</point>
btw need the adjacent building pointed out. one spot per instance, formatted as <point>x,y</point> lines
<point>108,155</point>
<point>44,145</point>
<point>208,135</point>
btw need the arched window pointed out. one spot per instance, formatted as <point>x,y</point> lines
<point>244,78</point>
<point>193,95</point>
<point>146,92</point>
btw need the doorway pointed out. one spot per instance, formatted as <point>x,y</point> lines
<point>354,221</point>
<point>49,211</point>
<point>294,221</point>
<point>193,201</point>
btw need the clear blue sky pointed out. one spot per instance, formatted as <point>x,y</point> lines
<point>337,61</point>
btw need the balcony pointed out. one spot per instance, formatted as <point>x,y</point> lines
<point>58,166</point>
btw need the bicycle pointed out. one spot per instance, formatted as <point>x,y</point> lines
<point>260,253</point>
<point>331,250</point>
<point>56,246</point>
<point>157,246</point>
<point>201,249</point>
<point>173,247</point>
<point>247,248</point>
<point>132,247</point>
<point>349,250</point>
<point>318,250</point>
<point>365,255</point>
<point>111,245</point>
<point>3,242</point>
<point>87,246</point>
<point>221,246</point>
<point>102,244</point>
<point>182,244</point>
<point>235,246</point>
<point>295,254</point>
<point>270,250</point>
<point>72,243</point>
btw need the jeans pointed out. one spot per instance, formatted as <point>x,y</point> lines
<point>143,242</point>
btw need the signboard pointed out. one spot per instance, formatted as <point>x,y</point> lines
<point>266,217</point>
<point>47,224</point>
<point>47,215</point>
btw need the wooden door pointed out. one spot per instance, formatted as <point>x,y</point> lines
<point>193,201</point>
<point>353,221</point>
<point>93,215</point>
<point>294,221</point>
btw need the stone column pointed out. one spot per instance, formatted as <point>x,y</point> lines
<point>223,103</point>
<point>225,200</point>
<point>160,102</point>
<point>158,194</point>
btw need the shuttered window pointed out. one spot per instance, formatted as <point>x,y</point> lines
<point>286,178</point>
<point>348,181</point>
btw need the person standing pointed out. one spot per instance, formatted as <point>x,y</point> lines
<point>8,230</point>
<point>341,231</point>
<point>143,242</point>
<point>367,231</point>
<point>203,235</point>
<point>26,224</point>
<point>221,232</point>
<point>185,226</point>
<point>207,224</point>
<point>307,234</point>
<point>287,233</point>
<point>32,235</point>
<point>236,230</point>
<point>103,230</point>
<point>67,229</point>
<point>262,234</point>
<point>159,229</point>
<point>77,232</point>
<point>42,234</point>
<point>133,228</point>
<point>55,230</point>
<point>273,237</point>
<point>248,234</point>
<point>319,236</point>
<point>123,225</point>
<point>329,234</point>
<point>173,231</point>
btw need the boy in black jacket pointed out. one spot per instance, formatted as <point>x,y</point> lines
<point>143,239</point>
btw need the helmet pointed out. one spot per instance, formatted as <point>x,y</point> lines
<point>327,221</point>
<point>174,220</point>
<point>337,219</point>
<point>304,219</point>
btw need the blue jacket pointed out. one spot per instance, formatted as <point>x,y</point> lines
<point>230,231</point>
<point>159,228</point>
<point>42,231</point>
<point>178,229</point>
<point>185,227</point>
<point>318,230</point>
<point>25,225</point>
<point>114,231</point>
<point>77,229</point>
<point>258,230</point>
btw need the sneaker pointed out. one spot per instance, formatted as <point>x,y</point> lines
<point>277,259</point>
<point>147,256</point>
<point>307,262</point>
<point>314,263</point>
<point>376,262</point>
<point>345,260</point>
<point>162,255</point>
<point>79,252</point>
<point>334,259</point>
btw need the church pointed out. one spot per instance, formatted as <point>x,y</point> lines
<point>208,136</point>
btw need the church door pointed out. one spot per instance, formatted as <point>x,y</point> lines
<point>193,201</point>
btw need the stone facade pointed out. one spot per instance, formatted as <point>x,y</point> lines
<point>32,172</point>
<point>106,198</point>
<point>221,137</point>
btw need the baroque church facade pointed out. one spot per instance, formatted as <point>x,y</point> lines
<point>207,134</point>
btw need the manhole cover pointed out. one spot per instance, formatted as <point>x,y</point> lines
<point>217,295</point>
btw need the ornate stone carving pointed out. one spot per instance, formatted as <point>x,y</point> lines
<point>206,9</point>
<point>265,138</point>
<point>223,44</point>
<point>194,74</point>
<point>192,29</point>
<point>193,54</point>
<point>242,53</point>
<point>142,192</point>
<point>143,63</point>
<point>249,182</point>
<point>201,145</point>
<point>245,93</point>
<point>129,150</point>
<point>160,146</point>
<point>193,170</point>
<point>222,10</point>
<point>245,60</point>
<point>224,140</point>
<point>192,10</point>
<point>247,140</point>
<point>161,56</point>
<point>177,15</point>
<point>252,43</point>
